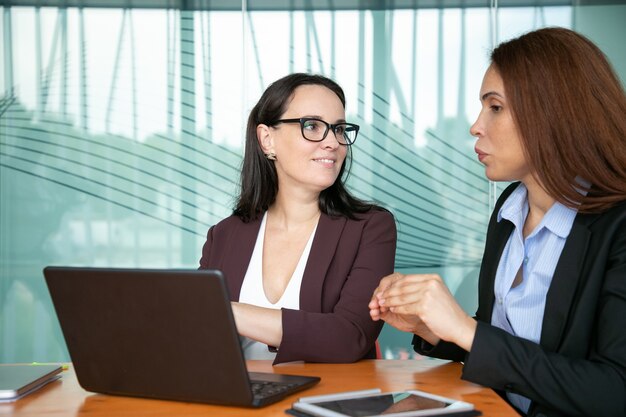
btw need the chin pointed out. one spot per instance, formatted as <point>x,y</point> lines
<point>493,174</point>
<point>500,177</point>
<point>495,177</point>
<point>325,185</point>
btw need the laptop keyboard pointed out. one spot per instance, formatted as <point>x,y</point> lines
<point>265,389</point>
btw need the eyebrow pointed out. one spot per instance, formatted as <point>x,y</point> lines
<point>321,118</point>
<point>489,94</point>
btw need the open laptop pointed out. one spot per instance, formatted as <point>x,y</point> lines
<point>167,334</point>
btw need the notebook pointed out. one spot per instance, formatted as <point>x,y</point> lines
<point>19,380</point>
<point>167,334</point>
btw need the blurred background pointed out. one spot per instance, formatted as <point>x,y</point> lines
<point>122,124</point>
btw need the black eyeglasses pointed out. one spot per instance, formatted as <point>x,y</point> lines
<point>316,130</point>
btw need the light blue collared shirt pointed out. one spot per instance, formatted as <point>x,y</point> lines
<point>519,310</point>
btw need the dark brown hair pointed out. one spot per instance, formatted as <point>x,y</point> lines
<point>259,181</point>
<point>570,109</point>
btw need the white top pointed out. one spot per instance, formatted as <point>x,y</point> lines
<point>252,291</point>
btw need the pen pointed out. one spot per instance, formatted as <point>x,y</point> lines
<point>65,367</point>
<point>338,395</point>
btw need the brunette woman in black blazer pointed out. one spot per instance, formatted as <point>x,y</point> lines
<point>549,332</point>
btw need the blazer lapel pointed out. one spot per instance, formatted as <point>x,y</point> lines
<point>489,268</point>
<point>239,253</point>
<point>498,234</point>
<point>323,250</point>
<point>567,275</point>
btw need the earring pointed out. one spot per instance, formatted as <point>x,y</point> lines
<point>271,156</point>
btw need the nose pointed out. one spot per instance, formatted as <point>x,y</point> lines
<point>330,141</point>
<point>477,128</point>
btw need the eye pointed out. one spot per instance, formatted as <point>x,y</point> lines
<point>340,130</point>
<point>495,108</point>
<point>312,125</point>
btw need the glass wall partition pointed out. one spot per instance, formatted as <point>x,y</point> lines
<point>121,129</point>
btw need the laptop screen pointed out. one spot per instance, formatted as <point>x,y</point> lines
<point>151,333</point>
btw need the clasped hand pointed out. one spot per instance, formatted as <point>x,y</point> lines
<point>423,305</point>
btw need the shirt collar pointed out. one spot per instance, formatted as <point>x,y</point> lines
<point>558,220</point>
<point>515,208</point>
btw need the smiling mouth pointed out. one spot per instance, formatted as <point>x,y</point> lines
<point>325,161</point>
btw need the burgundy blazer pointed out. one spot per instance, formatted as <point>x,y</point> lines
<point>347,260</point>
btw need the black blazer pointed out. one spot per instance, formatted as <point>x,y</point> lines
<point>579,366</point>
<point>347,260</point>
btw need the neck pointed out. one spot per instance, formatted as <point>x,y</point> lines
<point>539,202</point>
<point>289,211</point>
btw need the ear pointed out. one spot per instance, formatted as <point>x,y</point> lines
<point>264,136</point>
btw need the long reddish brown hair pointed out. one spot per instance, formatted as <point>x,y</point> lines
<point>570,109</point>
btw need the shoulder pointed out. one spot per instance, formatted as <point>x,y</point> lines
<point>377,223</point>
<point>602,237</point>
<point>375,215</point>
<point>615,213</point>
<point>610,221</point>
<point>374,218</point>
<point>226,224</point>
<point>232,224</point>
<point>229,222</point>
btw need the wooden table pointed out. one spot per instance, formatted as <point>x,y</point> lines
<point>65,397</point>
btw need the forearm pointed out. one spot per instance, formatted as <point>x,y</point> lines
<point>574,386</point>
<point>428,344</point>
<point>258,323</point>
<point>463,336</point>
<point>326,337</point>
<point>441,350</point>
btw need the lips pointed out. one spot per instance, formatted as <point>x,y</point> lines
<point>481,155</point>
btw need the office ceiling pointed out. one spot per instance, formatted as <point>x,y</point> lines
<point>276,5</point>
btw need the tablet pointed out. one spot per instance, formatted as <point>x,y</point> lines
<point>388,404</point>
<point>19,380</point>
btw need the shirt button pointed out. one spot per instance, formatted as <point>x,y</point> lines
<point>499,300</point>
<point>525,260</point>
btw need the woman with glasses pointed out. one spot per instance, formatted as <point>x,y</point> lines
<point>302,255</point>
<point>549,331</point>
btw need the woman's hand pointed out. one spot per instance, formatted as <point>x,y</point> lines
<point>422,304</point>
<point>404,322</point>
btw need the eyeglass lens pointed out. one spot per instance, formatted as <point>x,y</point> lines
<point>316,130</point>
